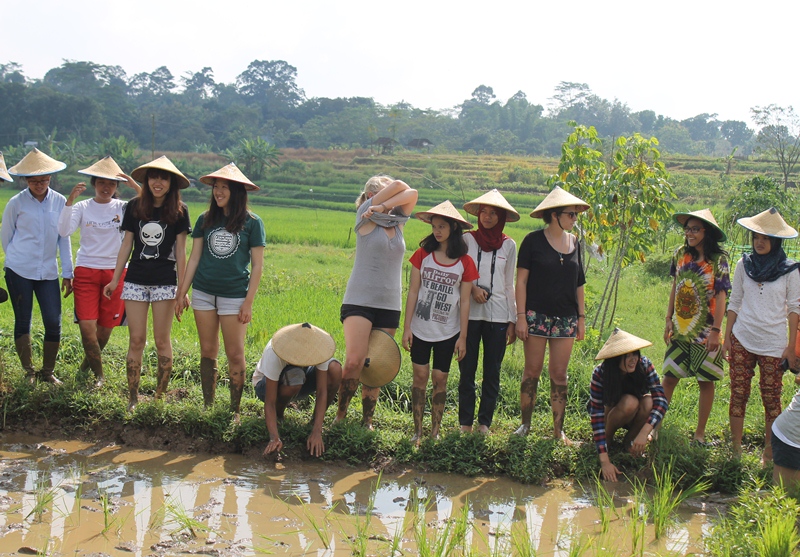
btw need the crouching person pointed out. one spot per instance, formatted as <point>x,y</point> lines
<point>297,362</point>
<point>625,394</point>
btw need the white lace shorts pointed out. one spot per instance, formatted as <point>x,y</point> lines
<point>148,293</point>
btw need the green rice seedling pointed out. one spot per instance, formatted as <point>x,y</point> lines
<point>666,498</point>
<point>778,536</point>
<point>579,546</point>
<point>360,539</point>
<point>522,544</point>
<point>446,540</point>
<point>177,515</point>
<point>638,518</point>
<point>44,495</point>
<point>605,504</point>
<point>321,528</point>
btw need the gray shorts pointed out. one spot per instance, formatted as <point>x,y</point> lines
<point>201,301</point>
<point>148,292</point>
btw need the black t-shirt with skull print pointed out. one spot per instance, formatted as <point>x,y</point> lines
<point>153,260</point>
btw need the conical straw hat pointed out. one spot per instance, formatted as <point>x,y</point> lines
<point>161,163</point>
<point>495,199</point>
<point>559,198</point>
<point>303,344</point>
<point>444,209</point>
<point>768,223</point>
<point>705,216</point>
<point>36,163</point>
<point>383,359</point>
<point>4,175</point>
<point>231,173</point>
<point>620,343</point>
<point>104,168</point>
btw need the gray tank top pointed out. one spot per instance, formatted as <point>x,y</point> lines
<point>376,278</point>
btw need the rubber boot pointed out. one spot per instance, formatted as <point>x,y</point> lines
<point>50,353</point>
<point>164,373</point>
<point>23,345</point>
<point>208,379</point>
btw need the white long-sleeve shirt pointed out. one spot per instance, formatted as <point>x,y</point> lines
<point>30,236</point>
<point>502,306</point>
<point>100,231</point>
<point>761,311</point>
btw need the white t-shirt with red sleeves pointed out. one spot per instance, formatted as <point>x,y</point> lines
<point>437,314</point>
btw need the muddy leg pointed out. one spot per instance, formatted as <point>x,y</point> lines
<point>369,399</point>
<point>134,371</point>
<point>527,398</point>
<point>208,379</point>
<point>164,373</point>
<point>558,403</point>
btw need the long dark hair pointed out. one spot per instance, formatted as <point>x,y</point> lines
<point>456,246</point>
<point>612,379</point>
<point>712,248</point>
<point>171,208</point>
<point>238,211</point>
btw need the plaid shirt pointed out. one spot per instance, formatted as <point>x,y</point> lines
<point>597,409</point>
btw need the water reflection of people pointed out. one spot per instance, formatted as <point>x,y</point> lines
<point>625,394</point>
<point>297,362</point>
<point>765,294</point>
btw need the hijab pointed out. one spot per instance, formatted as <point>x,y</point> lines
<point>770,266</point>
<point>490,239</point>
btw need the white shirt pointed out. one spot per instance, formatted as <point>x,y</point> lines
<point>271,366</point>
<point>502,306</point>
<point>30,236</point>
<point>761,311</point>
<point>100,231</point>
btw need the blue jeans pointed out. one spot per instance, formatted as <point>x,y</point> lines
<point>493,336</point>
<point>21,291</point>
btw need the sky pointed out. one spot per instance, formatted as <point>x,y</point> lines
<point>679,58</point>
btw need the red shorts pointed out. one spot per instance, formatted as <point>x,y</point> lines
<point>90,304</point>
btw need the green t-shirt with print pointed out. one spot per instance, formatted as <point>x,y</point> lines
<point>224,268</point>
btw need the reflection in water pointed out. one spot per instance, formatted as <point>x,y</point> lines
<point>61,497</point>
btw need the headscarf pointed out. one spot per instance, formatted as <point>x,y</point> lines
<point>771,266</point>
<point>490,239</point>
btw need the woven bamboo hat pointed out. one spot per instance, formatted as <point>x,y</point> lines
<point>559,198</point>
<point>703,215</point>
<point>4,175</point>
<point>36,163</point>
<point>231,173</point>
<point>104,168</point>
<point>495,199</point>
<point>444,209</point>
<point>768,223</point>
<point>303,344</point>
<point>161,163</point>
<point>383,359</point>
<point>620,343</point>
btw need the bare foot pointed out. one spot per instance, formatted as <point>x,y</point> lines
<point>132,406</point>
<point>416,440</point>
<point>368,425</point>
<point>466,429</point>
<point>737,451</point>
<point>483,429</point>
<point>564,439</point>
<point>237,418</point>
<point>99,382</point>
<point>766,459</point>
<point>523,430</point>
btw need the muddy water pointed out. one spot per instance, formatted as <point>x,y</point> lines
<point>74,498</point>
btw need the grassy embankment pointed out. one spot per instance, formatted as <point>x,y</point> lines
<point>307,263</point>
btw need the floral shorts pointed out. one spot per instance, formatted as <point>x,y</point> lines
<point>542,325</point>
<point>148,293</point>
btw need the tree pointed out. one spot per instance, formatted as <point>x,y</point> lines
<point>271,83</point>
<point>254,156</point>
<point>568,95</point>
<point>779,136</point>
<point>11,73</point>
<point>736,132</point>
<point>483,95</point>
<point>159,83</point>
<point>199,85</point>
<point>627,202</point>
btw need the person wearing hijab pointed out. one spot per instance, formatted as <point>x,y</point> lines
<point>492,315</point>
<point>765,294</point>
<point>31,242</point>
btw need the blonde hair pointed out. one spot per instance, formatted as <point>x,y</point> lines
<point>373,186</point>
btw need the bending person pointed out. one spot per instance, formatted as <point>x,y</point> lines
<point>785,441</point>
<point>224,271</point>
<point>99,220</point>
<point>374,290</point>
<point>550,303</point>
<point>493,308</point>
<point>297,362</point>
<point>765,294</point>
<point>625,394</point>
<point>31,243</point>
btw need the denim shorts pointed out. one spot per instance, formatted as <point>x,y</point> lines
<point>148,293</point>
<point>784,454</point>
<point>202,301</point>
